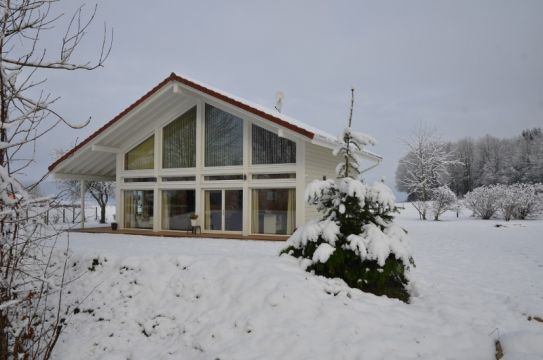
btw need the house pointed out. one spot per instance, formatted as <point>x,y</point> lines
<point>185,148</point>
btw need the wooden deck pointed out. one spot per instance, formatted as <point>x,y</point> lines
<point>183,234</point>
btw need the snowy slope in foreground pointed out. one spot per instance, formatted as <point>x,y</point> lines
<point>163,298</point>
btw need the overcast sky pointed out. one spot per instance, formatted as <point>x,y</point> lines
<point>467,68</point>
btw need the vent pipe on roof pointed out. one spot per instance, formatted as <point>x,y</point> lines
<point>279,96</point>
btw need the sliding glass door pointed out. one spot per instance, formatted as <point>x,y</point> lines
<point>223,210</point>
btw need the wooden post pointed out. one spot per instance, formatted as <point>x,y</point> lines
<point>63,215</point>
<point>96,213</point>
<point>82,194</point>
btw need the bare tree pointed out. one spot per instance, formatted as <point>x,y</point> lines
<point>32,274</point>
<point>425,167</point>
<point>100,191</point>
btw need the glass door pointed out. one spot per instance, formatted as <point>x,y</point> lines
<point>233,210</point>
<point>223,210</point>
<point>213,210</point>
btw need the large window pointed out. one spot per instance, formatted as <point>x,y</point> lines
<point>273,211</point>
<point>179,142</point>
<point>177,206</point>
<point>142,156</point>
<point>138,209</point>
<point>268,148</point>
<point>223,138</point>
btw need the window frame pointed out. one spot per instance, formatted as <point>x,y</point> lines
<point>244,134</point>
<point>266,129</point>
<point>196,140</point>
<point>134,146</point>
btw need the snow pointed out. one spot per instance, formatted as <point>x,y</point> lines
<point>168,298</point>
<point>352,187</point>
<point>382,194</point>
<point>323,252</point>
<point>266,110</point>
<point>330,231</point>
<point>379,245</point>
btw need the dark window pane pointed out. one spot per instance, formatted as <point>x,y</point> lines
<point>268,148</point>
<point>177,207</point>
<point>213,210</point>
<point>140,180</point>
<point>179,178</point>
<point>223,177</point>
<point>179,142</point>
<point>274,176</point>
<point>223,138</point>
<point>233,210</point>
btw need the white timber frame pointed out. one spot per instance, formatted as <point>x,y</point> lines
<point>105,155</point>
<point>247,169</point>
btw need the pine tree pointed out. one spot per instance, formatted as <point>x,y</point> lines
<point>356,239</point>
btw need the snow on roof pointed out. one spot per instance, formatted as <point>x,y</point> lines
<point>264,109</point>
<point>274,114</point>
<point>257,109</point>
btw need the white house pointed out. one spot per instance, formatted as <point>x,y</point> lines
<point>185,148</point>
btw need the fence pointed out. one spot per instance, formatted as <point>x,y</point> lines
<point>64,214</point>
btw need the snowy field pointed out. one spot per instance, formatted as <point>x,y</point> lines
<point>167,298</point>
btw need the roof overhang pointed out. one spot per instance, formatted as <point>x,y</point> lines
<point>95,157</point>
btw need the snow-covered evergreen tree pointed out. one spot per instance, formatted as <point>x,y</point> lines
<point>356,239</point>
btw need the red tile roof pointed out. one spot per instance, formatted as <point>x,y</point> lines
<point>204,89</point>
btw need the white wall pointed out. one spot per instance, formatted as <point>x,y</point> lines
<point>319,162</point>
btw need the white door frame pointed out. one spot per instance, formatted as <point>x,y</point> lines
<point>223,209</point>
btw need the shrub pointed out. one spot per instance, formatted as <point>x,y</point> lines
<point>517,201</point>
<point>530,200</point>
<point>508,199</point>
<point>443,199</point>
<point>483,201</point>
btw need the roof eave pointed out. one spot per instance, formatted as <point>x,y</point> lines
<point>331,144</point>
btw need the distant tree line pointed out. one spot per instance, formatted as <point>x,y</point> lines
<point>470,163</point>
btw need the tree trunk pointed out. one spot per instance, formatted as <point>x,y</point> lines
<point>4,351</point>
<point>102,214</point>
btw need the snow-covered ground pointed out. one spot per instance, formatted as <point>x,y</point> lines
<point>168,298</point>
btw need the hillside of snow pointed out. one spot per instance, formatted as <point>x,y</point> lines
<point>167,298</point>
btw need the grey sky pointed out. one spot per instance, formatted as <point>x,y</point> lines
<point>463,67</point>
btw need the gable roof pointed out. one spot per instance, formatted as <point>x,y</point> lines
<point>258,110</point>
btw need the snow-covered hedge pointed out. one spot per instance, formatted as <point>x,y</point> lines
<point>517,201</point>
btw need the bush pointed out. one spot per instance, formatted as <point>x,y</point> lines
<point>443,199</point>
<point>483,201</point>
<point>530,200</point>
<point>508,199</point>
<point>517,201</point>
